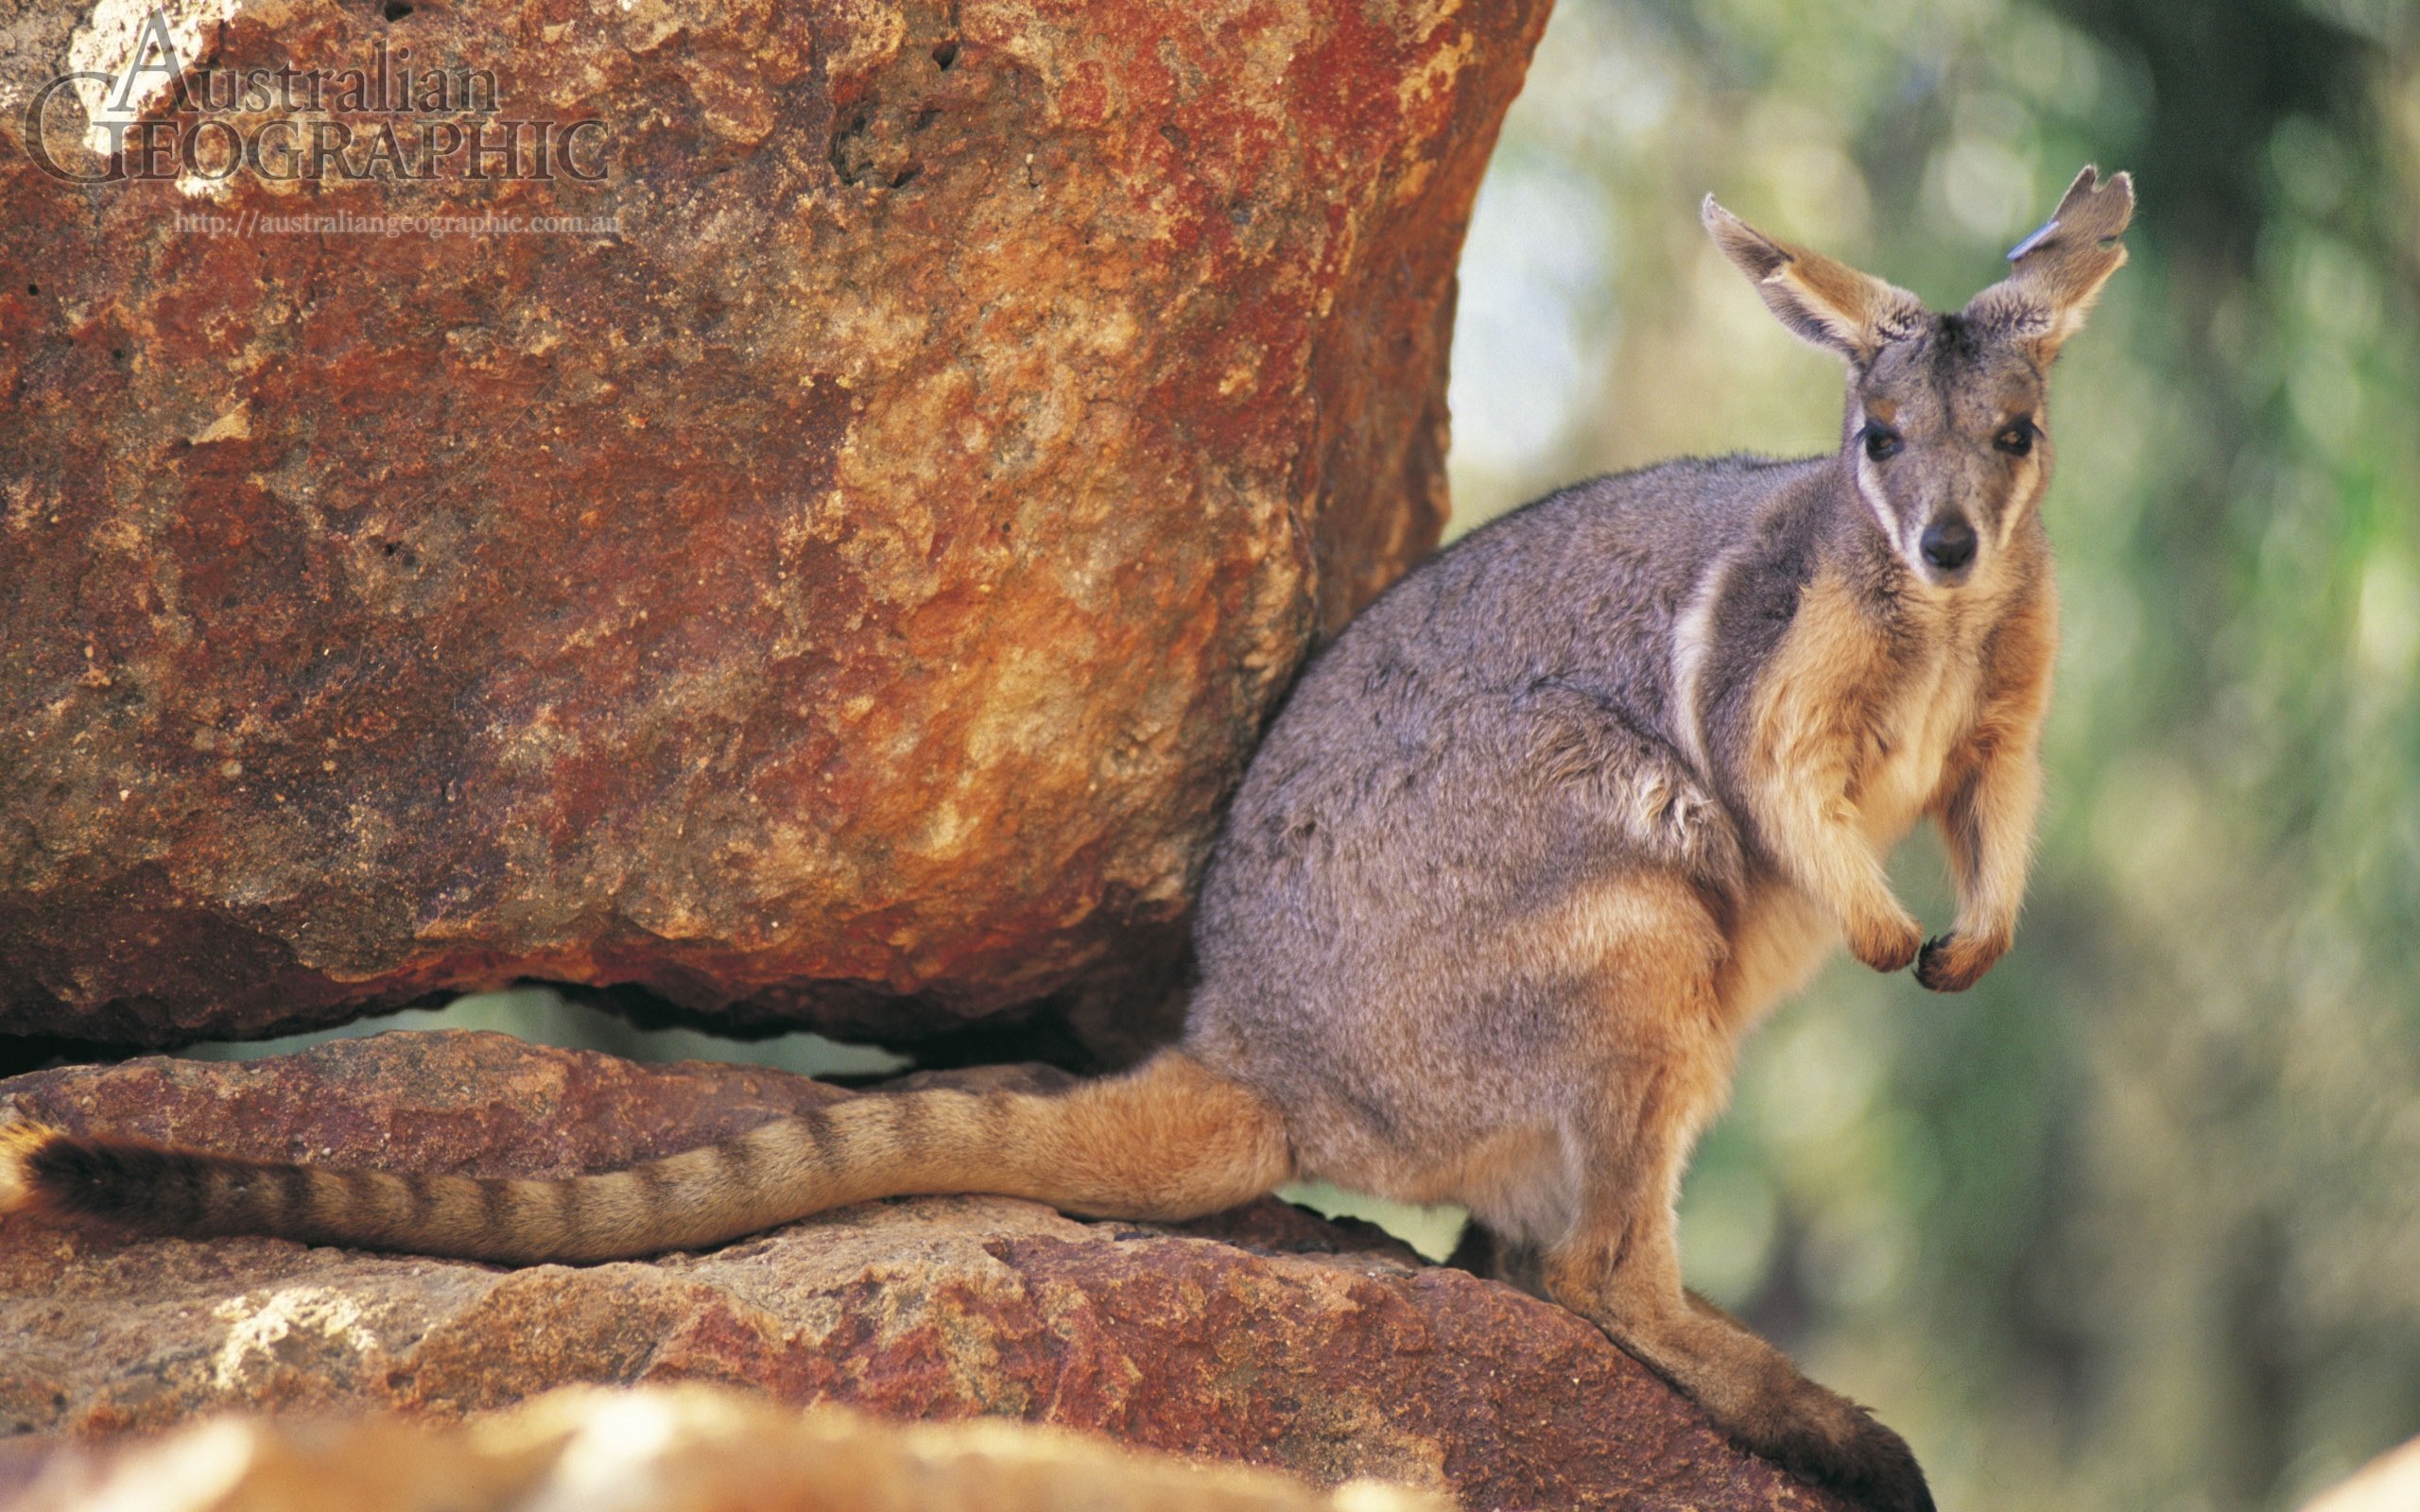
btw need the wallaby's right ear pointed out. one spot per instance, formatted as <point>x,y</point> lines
<point>2061,268</point>
<point>1829,303</point>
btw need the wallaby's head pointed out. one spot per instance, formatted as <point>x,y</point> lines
<point>1947,437</point>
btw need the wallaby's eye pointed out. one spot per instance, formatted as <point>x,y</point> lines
<point>2015,438</point>
<point>1882,443</point>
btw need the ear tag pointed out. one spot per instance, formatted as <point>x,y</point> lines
<point>2035,240</point>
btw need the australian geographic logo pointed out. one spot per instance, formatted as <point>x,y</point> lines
<point>157,119</point>
<point>246,223</point>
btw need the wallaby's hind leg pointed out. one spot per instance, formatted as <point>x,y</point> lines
<point>1480,1250</point>
<point>1620,1268</point>
<point>1494,1257</point>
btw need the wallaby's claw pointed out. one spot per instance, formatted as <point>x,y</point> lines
<point>1954,962</point>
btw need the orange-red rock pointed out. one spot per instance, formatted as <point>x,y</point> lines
<point>1264,1337</point>
<point>844,590</point>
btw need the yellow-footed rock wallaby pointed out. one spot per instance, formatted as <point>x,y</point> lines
<point>1530,848</point>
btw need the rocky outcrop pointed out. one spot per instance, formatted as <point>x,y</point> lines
<point>2390,1483</point>
<point>656,1449</point>
<point>1263,1337</point>
<point>800,509</point>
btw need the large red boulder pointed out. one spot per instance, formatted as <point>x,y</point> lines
<point>820,548</point>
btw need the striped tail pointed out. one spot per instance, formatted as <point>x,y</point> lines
<point>1167,1141</point>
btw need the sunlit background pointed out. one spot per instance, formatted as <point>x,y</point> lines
<point>2135,1224</point>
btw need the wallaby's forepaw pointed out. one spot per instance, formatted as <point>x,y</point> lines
<point>1954,962</point>
<point>1886,944</point>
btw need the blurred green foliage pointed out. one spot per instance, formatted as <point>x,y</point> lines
<point>2135,1223</point>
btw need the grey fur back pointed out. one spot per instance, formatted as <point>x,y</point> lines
<point>1497,734</point>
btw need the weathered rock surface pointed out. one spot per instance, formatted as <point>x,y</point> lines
<point>844,589</point>
<point>1265,1335</point>
<point>654,1449</point>
<point>2390,1483</point>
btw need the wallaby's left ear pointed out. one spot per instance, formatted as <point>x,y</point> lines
<point>2061,268</point>
<point>1829,303</point>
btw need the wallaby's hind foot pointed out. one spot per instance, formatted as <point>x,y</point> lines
<point>1755,1396</point>
<point>1618,1265</point>
<point>1829,1441</point>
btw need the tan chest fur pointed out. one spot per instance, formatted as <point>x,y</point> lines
<point>1899,773</point>
<point>1781,936</point>
<point>1892,759</point>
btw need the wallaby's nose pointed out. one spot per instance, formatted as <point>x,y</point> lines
<point>1948,543</point>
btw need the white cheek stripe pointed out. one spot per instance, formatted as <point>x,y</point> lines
<point>2022,503</point>
<point>1692,641</point>
<point>1872,493</point>
<point>1866,488</point>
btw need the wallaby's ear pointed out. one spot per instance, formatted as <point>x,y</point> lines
<point>2061,268</point>
<point>1829,303</point>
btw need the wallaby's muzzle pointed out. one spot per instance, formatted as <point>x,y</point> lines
<point>1949,548</point>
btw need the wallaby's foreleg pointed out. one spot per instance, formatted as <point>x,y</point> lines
<point>1620,1267</point>
<point>1991,795</point>
<point>1802,773</point>
<point>1815,831</point>
<point>1988,822</point>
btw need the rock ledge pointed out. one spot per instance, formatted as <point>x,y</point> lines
<point>1263,1336</point>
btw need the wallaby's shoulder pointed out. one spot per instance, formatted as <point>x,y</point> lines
<point>1614,555</point>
